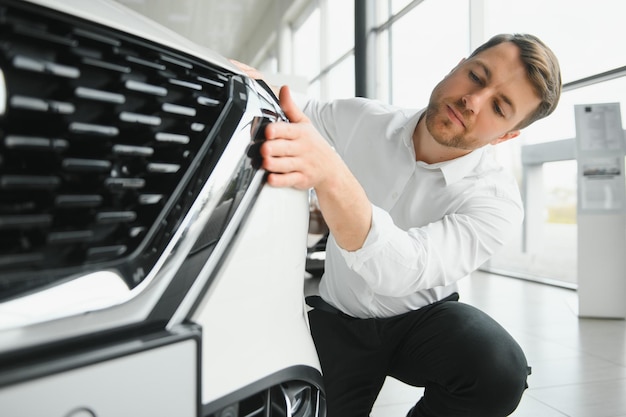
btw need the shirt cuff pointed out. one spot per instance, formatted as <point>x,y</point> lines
<point>376,238</point>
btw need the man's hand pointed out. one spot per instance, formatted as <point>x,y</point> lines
<point>296,155</point>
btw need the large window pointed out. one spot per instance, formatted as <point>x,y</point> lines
<point>307,45</point>
<point>420,41</point>
<point>583,37</point>
<point>424,45</point>
<point>323,48</point>
<point>586,36</point>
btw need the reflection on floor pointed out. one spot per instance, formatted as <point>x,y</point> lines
<point>579,365</point>
<point>552,257</point>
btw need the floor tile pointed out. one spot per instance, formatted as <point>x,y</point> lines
<point>530,407</point>
<point>565,371</point>
<point>594,399</point>
<point>579,364</point>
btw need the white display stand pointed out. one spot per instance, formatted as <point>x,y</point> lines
<point>601,211</point>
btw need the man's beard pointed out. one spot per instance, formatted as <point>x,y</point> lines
<point>439,127</point>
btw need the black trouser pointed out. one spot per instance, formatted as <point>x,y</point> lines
<point>467,363</point>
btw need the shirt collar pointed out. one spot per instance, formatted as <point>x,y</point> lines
<point>408,127</point>
<point>405,129</point>
<point>459,168</point>
<point>453,170</point>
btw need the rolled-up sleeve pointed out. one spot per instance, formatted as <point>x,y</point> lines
<point>396,262</point>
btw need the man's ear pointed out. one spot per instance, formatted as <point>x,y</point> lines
<point>509,135</point>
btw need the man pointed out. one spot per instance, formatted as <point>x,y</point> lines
<point>414,202</point>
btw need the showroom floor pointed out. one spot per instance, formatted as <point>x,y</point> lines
<point>579,365</point>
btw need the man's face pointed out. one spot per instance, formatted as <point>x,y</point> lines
<point>481,100</point>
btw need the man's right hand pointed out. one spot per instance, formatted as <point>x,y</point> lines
<point>297,155</point>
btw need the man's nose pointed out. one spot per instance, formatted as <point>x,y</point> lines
<point>475,100</point>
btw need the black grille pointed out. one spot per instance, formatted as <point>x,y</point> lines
<point>105,141</point>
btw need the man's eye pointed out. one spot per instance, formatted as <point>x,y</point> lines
<point>498,110</point>
<point>474,77</point>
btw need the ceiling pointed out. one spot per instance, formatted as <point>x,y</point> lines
<point>226,26</point>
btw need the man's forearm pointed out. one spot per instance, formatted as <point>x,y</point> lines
<point>346,208</point>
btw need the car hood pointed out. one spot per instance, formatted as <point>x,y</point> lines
<point>124,19</point>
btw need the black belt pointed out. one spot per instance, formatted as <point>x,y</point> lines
<point>318,303</point>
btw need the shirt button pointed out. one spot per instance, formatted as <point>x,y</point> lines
<point>394,195</point>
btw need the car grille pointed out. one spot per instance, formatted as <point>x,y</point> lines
<point>289,399</point>
<point>105,141</point>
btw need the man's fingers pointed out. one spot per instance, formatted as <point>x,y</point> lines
<point>250,71</point>
<point>290,179</point>
<point>280,159</point>
<point>293,113</point>
<point>289,147</point>
<point>283,130</point>
<point>277,148</point>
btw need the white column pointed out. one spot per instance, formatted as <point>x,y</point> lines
<point>601,211</point>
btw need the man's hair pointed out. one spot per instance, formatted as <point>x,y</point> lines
<point>542,68</point>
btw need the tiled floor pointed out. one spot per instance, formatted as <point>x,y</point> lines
<point>579,365</point>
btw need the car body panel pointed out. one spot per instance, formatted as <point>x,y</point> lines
<point>229,282</point>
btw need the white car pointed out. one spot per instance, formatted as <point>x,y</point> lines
<point>145,267</point>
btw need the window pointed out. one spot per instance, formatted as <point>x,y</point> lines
<point>425,45</point>
<point>323,49</point>
<point>584,41</point>
<point>398,5</point>
<point>340,79</point>
<point>420,41</point>
<point>339,28</point>
<point>306,46</point>
<point>585,36</point>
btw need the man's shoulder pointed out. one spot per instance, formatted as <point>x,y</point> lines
<point>374,105</point>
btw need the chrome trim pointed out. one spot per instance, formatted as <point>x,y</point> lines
<point>199,283</point>
<point>3,94</point>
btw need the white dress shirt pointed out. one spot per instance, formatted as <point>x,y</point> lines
<point>432,224</point>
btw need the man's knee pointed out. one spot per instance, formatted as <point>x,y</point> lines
<point>501,387</point>
<point>498,363</point>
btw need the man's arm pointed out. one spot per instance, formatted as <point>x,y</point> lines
<point>296,155</point>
